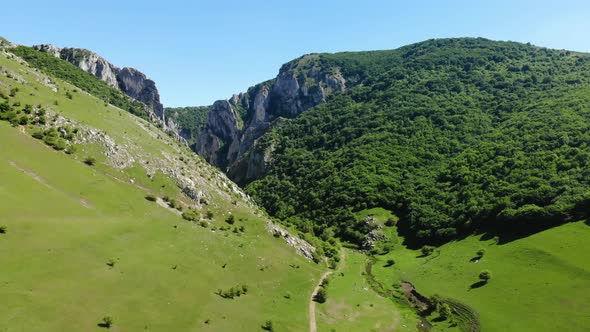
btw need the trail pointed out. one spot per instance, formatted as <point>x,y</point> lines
<point>312,322</point>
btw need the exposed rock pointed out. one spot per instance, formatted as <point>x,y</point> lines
<point>303,247</point>
<point>130,81</point>
<point>230,138</point>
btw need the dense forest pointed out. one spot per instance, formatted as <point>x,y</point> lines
<point>452,135</point>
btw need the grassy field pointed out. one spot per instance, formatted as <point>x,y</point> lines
<point>353,306</point>
<point>65,221</point>
<point>539,283</point>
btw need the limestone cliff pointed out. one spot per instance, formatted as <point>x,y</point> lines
<point>130,81</point>
<point>230,137</point>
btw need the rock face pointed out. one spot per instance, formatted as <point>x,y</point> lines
<point>130,81</point>
<point>230,139</point>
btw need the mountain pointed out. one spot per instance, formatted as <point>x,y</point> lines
<point>234,125</point>
<point>108,220</point>
<point>187,121</point>
<point>453,135</point>
<point>130,81</point>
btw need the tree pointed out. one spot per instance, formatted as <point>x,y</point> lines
<point>390,262</point>
<point>320,296</point>
<point>3,229</point>
<point>230,219</point>
<point>485,275</point>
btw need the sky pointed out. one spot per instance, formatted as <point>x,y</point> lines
<point>201,51</point>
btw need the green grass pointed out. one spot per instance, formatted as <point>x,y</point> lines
<point>353,306</point>
<point>540,283</point>
<point>65,220</point>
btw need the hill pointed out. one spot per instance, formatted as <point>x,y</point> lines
<point>104,214</point>
<point>452,135</point>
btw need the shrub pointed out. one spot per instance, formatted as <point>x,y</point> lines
<point>267,326</point>
<point>391,222</point>
<point>444,311</point>
<point>235,291</point>
<point>427,250</point>
<point>60,144</point>
<point>151,198</point>
<point>480,253</point>
<point>485,275</point>
<point>71,149</point>
<point>90,161</point>
<point>38,135</point>
<point>107,321</point>
<point>191,215</point>
<point>320,296</point>
<point>230,219</point>
<point>23,120</point>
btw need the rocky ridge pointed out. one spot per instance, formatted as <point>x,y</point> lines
<point>231,135</point>
<point>130,81</point>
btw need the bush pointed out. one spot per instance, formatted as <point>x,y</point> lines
<point>391,222</point>
<point>71,149</point>
<point>230,219</point>
<point>59,144</point>
<point>191,215</point>
<point>151,198</point>
<point>320,296</point>
<point>427,250</point>
<point>267,326</point>
<point>485,275</point>
<point>480,253</point>
<point>444,311</point>
<point>107,321</point>
<point>90,161</point>
<point>38,135</point>
<point>235,291</point>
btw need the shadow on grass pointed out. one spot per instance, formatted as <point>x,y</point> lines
<point>103,325</point>
<point>438,319</point>
<point>478,284</point>
<point>475,259</point>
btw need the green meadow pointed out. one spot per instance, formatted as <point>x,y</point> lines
<point>82,242</point>
<point>539,283</point>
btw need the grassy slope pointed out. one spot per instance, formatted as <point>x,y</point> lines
<point>353,306</point>
<point>540,283</point>
<point>65,220</point>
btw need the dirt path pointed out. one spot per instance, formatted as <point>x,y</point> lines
<point>312,322</point>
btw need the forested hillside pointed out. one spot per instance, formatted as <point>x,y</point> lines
<point>453,135</point>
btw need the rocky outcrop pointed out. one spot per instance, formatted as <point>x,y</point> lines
<point>230,139</point>
<point>130,81</point>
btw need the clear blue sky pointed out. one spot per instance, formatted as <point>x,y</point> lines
<point>200,51</point>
